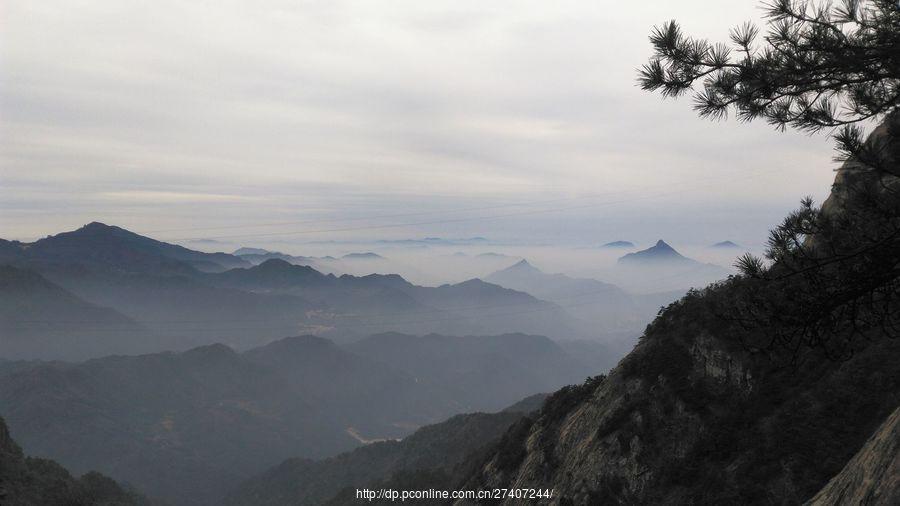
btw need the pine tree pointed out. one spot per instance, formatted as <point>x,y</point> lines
<point>831,276</point>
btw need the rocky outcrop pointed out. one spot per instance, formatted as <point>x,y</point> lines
<point>872,477</point>
<point>689,417</point>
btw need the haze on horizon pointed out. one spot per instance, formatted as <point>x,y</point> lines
<point>356,121</point>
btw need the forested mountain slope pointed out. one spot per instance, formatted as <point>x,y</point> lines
<point>28,481</point>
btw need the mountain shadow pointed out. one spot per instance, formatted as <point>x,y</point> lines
<point>307,482</point>
<point>40,319</point>
<point>30,481</point>
<point>186,426</point>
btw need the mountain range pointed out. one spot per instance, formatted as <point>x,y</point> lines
<point>186,426</point>
<point>607,308</point>
<point>148,295</point>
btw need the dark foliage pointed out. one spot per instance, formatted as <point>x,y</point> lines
<point>831,277</point>
<point>26,481</point>
<point>818,66</point>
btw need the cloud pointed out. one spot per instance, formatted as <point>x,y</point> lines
<point>326,102</point>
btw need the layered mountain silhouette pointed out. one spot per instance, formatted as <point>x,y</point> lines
<point>725,245</point>
<point>189,425</point>
<point>187,298</point>
<point>39,319</point>
<point>613,315</point>
<point>465,364</point>
<point>605,306</point>
<point>257,256</point>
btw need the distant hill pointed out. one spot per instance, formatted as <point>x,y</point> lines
<point>657,254</point>
<point>362,256</point>
<point>389,302</point>
<point>40,319</point>
<point>256,256</point>
<point>605,306</point>
<point>273,274</point>
<point>100,244</point>
<point>619,244</point>
<point>26,481</point>
<point>725,245</point>
<point>185,426</point>
<point>499,368</point>
<point>662,269</point>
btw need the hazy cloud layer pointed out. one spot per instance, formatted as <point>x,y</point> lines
<point>193,115</point>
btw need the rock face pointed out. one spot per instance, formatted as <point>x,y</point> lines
<point>690,418</point>
<point>872,477</point>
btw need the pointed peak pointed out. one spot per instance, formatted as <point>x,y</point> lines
<point>662,246</point>
<point>523,265</point>
<point>661,251</point>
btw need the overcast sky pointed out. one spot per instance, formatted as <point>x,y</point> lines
<point>504,119</point>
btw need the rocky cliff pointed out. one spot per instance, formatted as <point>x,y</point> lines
<point>872,477</point>
<point>689,417</point>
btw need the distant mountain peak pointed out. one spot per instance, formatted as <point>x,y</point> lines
<point>367,255</point>
<point>726,245</point>
<point>659,252</point>
<point>525,265</point>
<point>619,244</point>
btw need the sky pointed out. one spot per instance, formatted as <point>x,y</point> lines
<point>293,121</point>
